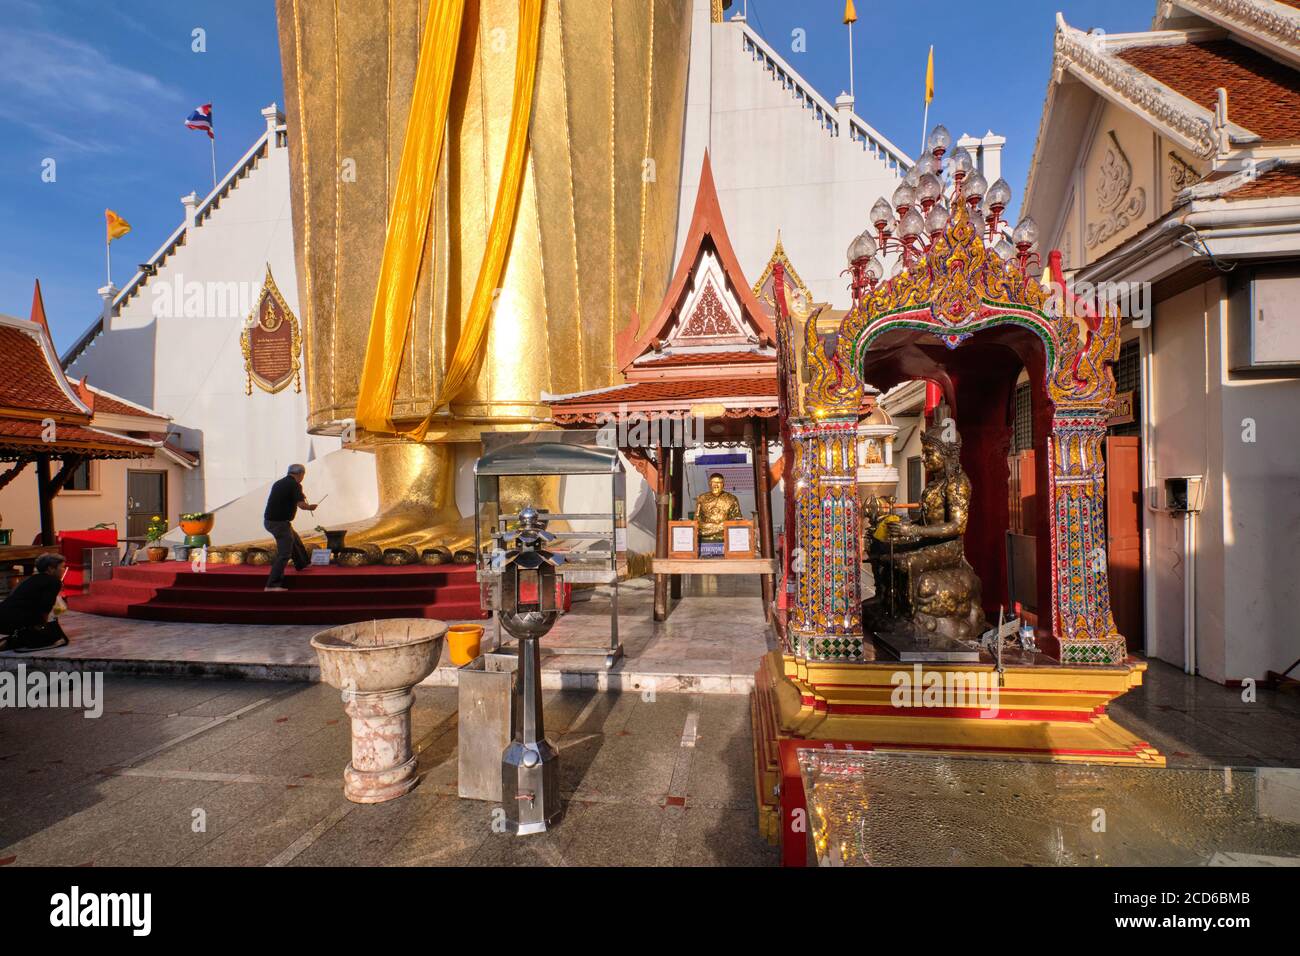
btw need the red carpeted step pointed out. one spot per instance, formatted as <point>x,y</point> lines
<point>295,596</point>
<point>170,591</point>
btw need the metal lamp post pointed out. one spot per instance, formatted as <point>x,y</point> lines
<point>530,790</point>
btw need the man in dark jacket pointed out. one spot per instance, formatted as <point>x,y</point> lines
<point>26,615</point>
<point>281,507</point>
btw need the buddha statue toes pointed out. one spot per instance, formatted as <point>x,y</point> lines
<point>923,578</point>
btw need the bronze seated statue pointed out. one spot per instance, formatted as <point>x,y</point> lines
<point>922,576</point>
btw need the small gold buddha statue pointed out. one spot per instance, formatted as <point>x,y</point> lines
<point>920,566</point>
<point>714,507</point>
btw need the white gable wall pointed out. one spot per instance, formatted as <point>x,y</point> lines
<point>776,165</point>
<point>188,363</point>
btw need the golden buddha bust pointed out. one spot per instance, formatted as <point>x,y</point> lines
<point>714,507</point>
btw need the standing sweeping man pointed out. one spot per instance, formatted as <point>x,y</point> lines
<point>281,507</point>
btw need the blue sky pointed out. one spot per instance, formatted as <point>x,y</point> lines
<point>103,87</point>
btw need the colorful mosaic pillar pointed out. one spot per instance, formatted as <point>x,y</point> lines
<point>1081,615</point>
<point>826,617</point>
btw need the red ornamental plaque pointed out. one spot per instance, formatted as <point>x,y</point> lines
<point>272,342</point>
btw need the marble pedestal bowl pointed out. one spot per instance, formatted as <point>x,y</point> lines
<point>376,664</point>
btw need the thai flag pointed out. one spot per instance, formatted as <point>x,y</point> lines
<point>201,119</point>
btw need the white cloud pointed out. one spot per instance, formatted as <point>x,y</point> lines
<point>69,92</point>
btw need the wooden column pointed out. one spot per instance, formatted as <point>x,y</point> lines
<point>661,531</point>
<point>763,500</point>
<point>45,491</point>
<point>678,485</point>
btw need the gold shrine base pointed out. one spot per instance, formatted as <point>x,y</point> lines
<point>1042,712</point>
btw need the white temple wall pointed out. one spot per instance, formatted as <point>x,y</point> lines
<point>775,164</point>
<point>175,346</point>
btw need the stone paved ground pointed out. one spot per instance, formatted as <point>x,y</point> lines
<point>263,762</point>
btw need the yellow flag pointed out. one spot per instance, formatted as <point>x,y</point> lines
<point>929,78</point>
<point>117,226</point>
<point>850,15</point>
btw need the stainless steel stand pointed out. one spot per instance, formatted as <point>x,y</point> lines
<point>530,785</point>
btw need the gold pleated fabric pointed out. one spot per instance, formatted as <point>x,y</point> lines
<point>408,219</point>
<point>413,201</point>
<point>594,231</point>
<point>467,359</point>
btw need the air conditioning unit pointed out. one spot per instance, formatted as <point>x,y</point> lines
<point>1263,333</point>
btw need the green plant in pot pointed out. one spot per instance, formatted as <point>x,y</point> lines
<point>153,532</point>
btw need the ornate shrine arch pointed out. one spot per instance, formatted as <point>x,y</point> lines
<point>957,289</point>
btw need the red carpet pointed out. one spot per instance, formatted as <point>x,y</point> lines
<point>170,591</point>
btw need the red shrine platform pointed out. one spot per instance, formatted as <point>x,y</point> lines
<point>171,591</point>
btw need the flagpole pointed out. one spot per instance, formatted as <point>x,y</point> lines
<point>855,105</point>
<point>108,259</point>
<point>212,141</point>
<point>925,122</point>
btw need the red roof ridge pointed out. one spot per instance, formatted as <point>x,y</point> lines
<point>706,219</point>
<point>38,308</point>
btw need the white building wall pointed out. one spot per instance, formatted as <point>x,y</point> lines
<point>777,165</point>
<point>175,348</point>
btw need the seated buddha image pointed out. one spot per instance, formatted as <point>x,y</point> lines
<point>715,507</point>
<point>920,567</point>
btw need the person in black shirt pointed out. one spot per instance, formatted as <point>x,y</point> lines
<point>281,507</point>
<point>26,615</point>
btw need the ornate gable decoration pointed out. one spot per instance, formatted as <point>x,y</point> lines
<point>1087,53</point>
<point>710,314</point>
<point>948,292</point>
<point>708,301</point>
<point>271,342</point>
<point>1121,204</point>
<point>797,297</point>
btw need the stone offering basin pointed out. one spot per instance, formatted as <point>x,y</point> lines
<point>375,664</point>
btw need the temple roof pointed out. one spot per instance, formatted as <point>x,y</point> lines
<point>710,344</point>
<point>751,395</point>
<point>1263,94</point>
<point>34,391</point>
<point>708,301</point>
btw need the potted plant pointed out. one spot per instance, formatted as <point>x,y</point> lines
<point>153,532</point>
<point>333,539</point>
<point>197,522</point>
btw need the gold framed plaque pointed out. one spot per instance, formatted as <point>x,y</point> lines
<point>271,342</point>
<point>681,539</point>
<point>738,539</point>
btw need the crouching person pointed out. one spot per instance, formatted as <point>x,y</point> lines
<point>28,615</point>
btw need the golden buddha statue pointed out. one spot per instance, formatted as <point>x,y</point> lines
<point>714,507</point>
<point>600,178</point>
<point>920,566</point>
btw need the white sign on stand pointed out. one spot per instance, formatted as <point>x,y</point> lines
<point>320,557</point>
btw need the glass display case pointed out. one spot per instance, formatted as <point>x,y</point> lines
<point>899,809</point>
<point>592,539</point>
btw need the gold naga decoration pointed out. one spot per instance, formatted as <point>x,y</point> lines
<point>833,390</point>
<point>271,342</point>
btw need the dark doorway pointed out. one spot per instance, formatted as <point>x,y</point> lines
<point>1124,536</point>
<point>146,496</point>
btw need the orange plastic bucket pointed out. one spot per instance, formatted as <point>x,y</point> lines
<point>463,641</point>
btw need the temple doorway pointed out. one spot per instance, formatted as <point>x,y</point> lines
<point>1007,535</point>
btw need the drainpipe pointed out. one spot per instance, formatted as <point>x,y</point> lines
<point>1189,593</point>
<point>1146,346</point>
